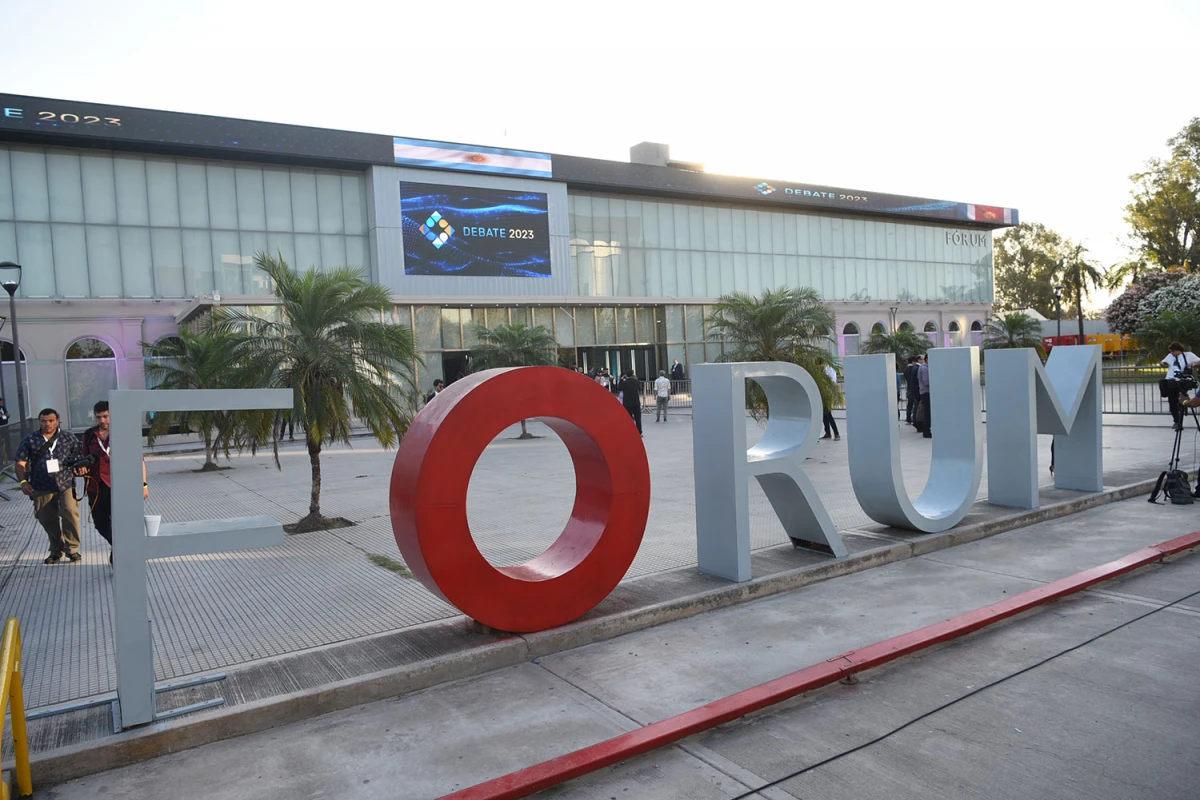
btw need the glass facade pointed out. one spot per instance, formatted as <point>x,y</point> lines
<point>631,247</point>
<point>101,224</point>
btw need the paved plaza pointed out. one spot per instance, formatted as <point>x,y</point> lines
<point>215,611</point>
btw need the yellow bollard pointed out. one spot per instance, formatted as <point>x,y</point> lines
<point>11,691</point>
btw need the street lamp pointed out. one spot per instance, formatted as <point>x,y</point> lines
<point>10,279</point>
<point>894,309</point>
<point>1058,290</point>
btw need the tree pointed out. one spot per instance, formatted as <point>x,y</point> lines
<point>902,343</point>
<point>782,325</point>
<point>1026,262</point>
<point>1158,332</point>
<point>1013,331</point>
<point>1180,297</point>
<point>1123,314</point>
<point>331,349</point>
<point>1077,278</point>
<point>1165,210</point>
<point>215,357</point>
<point>515,345</point>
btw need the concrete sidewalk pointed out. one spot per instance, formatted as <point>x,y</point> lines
<point>1109,721</point>
<point>314,625</point>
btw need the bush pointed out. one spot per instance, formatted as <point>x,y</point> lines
<point>1123,314</point>
<point>1181,298</point>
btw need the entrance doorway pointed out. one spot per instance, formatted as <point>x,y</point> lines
<point>455,364</point>
<point>642,359</point>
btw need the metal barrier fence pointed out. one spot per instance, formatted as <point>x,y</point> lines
<point>1127,390</point>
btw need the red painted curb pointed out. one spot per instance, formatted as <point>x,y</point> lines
<point>588,759</point>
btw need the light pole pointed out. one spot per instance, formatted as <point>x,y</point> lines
<point>1058,313</point>
<point>10,279</point>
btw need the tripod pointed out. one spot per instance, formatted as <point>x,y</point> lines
<point>1173,482</point>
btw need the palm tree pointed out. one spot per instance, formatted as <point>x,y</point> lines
<point>1077,278</point>
<point>515,345</point>
<point>782,325</point>
<point>340,360</point>
<point>902,343</point>
<point>214,357</point>
<point>1013,331</point>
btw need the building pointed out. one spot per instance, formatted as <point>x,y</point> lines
<point>131,222</point>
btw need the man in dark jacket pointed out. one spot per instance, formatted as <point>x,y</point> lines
<point>631,396</point>
<point>677,371</point>
<point>913,389</point>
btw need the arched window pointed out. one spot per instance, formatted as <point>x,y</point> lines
<point>931,327</point>
<point>8,381</point>
<point>91,375</point>
<point>976,325</point>
<point>878,327</point>
<point>906,326</point>
<point>850,330</point>
<point>953,326</point>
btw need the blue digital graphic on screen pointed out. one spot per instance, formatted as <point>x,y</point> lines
<point>460,230</point>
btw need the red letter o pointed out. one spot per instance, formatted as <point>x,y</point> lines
<point>599,542</point>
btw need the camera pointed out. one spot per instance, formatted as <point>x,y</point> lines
<point>1184,381</point>
<point>76,463</point>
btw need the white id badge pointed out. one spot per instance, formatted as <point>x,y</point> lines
<point>52,465</point>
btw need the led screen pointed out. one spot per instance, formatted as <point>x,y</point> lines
<point>459,230</point>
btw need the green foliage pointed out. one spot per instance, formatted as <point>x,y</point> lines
<point>1164,212</point>
<point>1123,314</point>
<point>1014,331</point>
<point>784,324</point>
<point>389,564</point>
<point>340,360</point>
<point>1157,332</point>
<point>902,343</point>
<point>1026,261</point>
<point>1180,297</point>
<point>214,357</point>
<point>515,345</point>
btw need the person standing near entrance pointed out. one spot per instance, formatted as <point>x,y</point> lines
<point>662,395</point>
<point>913,390</point>
<point>677,371</point>
<point>827,412</point>
<point>631,397</point>
<point>44,479</point>
<point>925,420</point>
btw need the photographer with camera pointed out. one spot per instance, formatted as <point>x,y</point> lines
<point>98,476</point>
<point>1178,380</point>
<point>46,462</point>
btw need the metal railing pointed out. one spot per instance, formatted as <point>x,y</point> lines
<point>14,699</point>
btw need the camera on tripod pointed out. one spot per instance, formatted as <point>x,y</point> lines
<point>1184,381</point>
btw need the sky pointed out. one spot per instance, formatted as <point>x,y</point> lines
<point>1047,107</point>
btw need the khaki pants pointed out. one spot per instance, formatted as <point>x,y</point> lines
<point>59,514</point>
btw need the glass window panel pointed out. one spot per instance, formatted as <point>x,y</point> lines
<point>65,187</point>
<point>617,223</point>
<point>910,242</point>
<point>8,244</point>
<point>495,316</point>
<point>401,315</point>
<point>193,194</point>
<point>606,326</point>
<point>695,216</point>
<point>132,204</point>
<point>653,273</point>
<point>644,318</point>
<point>282,244</point>
<point>254,280</point>
<point>333,251</point>
<point>601,224</point>
<point>308,251</point>
<point>103,262</point>
<point>681,226</point>
<point>685,275</point>
<point>251,204</point>
<point>625,329</point>
<point>585,327</point>
<point>712,239</point>
<point>733,272</point>
<point>659,220</point>
<point>837,240</point>
<point>694,323</point>
<point>31,194</point>
<point>564,327</point>
<point>890,233</point>
<point>222,196</point>
<point>778,235</point>
<point>670,279</point>
<point>521,315</point>
<point>712,274</point>
<point>99,189</point>
<point>304,201</point>
<point>470,336</point>
<point>544,317</point>
<point>921,241</point>
<point>635,224</point>
<point>166,248</point>
<point>429,330</point>
<point>675,324</point>
<point>712,351</point>
<point>6,184</point>
<point>649,217</point>
<point>357,254</point>
<point>634,264</point>
<point>428,371</point>
<point>451,335</point>
<point>163,190</point>
<point>36,258</point>
<point>329,203</point>
<point>739,230</point>
<point>354,204</point>
<point>227,262</point>
<point>70,260</point>
<point>88,382</point>
<point>695,355</point>
<point>277,197</point>
<point>137,264</point>
<point>197,262</point>
<point>724,228</point>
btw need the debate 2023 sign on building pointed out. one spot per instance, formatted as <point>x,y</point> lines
<point>612,497</point>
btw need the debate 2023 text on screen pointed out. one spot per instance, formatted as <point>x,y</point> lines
<point>461,230</point>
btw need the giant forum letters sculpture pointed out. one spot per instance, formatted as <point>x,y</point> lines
<point>438,454</point>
